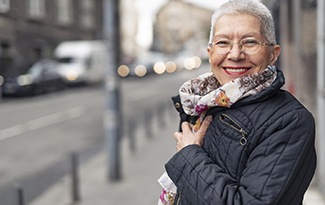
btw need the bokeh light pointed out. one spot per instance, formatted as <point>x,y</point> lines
<point>171,67</point>
<point>159,68</point>
<point>123,70</point>
<point>140,70</point>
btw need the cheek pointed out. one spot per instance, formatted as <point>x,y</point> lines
<point>265,59</point>
<point>264,64</point>
<point>216,60</point>
<point>217,70</point>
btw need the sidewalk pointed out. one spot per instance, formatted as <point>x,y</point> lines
<point>141,169</point>
<point>313,197</point>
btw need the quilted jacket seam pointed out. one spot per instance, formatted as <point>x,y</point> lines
<point>289,138</point>
<point>192,187</point>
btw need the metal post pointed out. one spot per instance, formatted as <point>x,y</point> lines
<point>20,195</point>
<point>131,133</point>
<point>1,83</point>
<point>112,118</point>
<point>161,115</point>
<point>75,193</point>
<point>321,93</point>
<point>148,122</point>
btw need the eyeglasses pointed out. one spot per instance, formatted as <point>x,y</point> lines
<point>246,45</point>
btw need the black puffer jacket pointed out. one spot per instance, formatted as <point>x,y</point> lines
<point>258,152</point>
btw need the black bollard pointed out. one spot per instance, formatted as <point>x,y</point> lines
<point>75,183</point>
<point>148,120</point>
<point>161,116</point>
<point>131,134</point>
<point>20,195</point>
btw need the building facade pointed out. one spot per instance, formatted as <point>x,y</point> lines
<point>129,29</point>
<point>301,30</point>
<point>296,27</point>
<point>182,26</point>
<point>31,29</point>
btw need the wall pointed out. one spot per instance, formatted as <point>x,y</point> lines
<point>28,39</point>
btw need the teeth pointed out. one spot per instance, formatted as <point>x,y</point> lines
<point>238,70</point>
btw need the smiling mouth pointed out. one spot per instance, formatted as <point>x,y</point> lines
<point>236,71</point>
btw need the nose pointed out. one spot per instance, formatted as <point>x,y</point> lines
<point>235,52</point>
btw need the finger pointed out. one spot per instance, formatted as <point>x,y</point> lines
<point>186,127</point>
<point>205,124</point>
<point>176,135</point>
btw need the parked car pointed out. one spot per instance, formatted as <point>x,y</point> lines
<point>82,62</point>
<point>41,77</point>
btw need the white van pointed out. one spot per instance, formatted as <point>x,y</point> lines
<point>82,61</point>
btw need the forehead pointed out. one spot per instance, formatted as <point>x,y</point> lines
<point>238,25</point>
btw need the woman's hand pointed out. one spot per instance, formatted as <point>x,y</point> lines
<point>187,137</point>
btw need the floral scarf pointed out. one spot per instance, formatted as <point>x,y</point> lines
<point>200,94</point>
<point>204,92</point>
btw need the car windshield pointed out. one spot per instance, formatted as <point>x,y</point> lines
<point>65,60</point>
<point>36,69</point>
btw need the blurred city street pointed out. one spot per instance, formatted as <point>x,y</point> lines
<point>141,169</point>
<point>50,128</point>
<point>57,61</point>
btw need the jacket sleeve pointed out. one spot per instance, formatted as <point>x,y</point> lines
<point>278,171</point>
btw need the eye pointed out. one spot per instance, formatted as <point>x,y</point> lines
<point>250,42</point>
<point>223,43</point>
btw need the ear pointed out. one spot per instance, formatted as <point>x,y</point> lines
<point>275,54</point>
<point>209,53</point>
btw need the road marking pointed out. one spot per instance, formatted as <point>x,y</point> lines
<point>42,122</point>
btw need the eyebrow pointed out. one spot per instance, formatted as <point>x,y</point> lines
<point>243,36</point>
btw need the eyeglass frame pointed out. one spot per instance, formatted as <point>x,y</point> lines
<point>230,46</point>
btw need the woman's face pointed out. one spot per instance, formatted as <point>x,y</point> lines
<point>235,63</point>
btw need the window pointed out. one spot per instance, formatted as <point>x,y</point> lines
<point>65,11</point>
<point>307,4</point>
<point>4,6</point>
<point>37,8</point>
<point>87,15</point>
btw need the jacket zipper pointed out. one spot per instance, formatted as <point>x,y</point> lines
<point>230,122</point>
<point>178,198</point>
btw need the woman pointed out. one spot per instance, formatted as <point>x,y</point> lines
<point>256,145</point>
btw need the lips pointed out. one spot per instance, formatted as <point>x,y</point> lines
<point>236,71</point>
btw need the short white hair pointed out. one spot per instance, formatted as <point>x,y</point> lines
<point>250,7</point>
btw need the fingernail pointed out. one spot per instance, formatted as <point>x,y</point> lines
<point>209,118</point>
